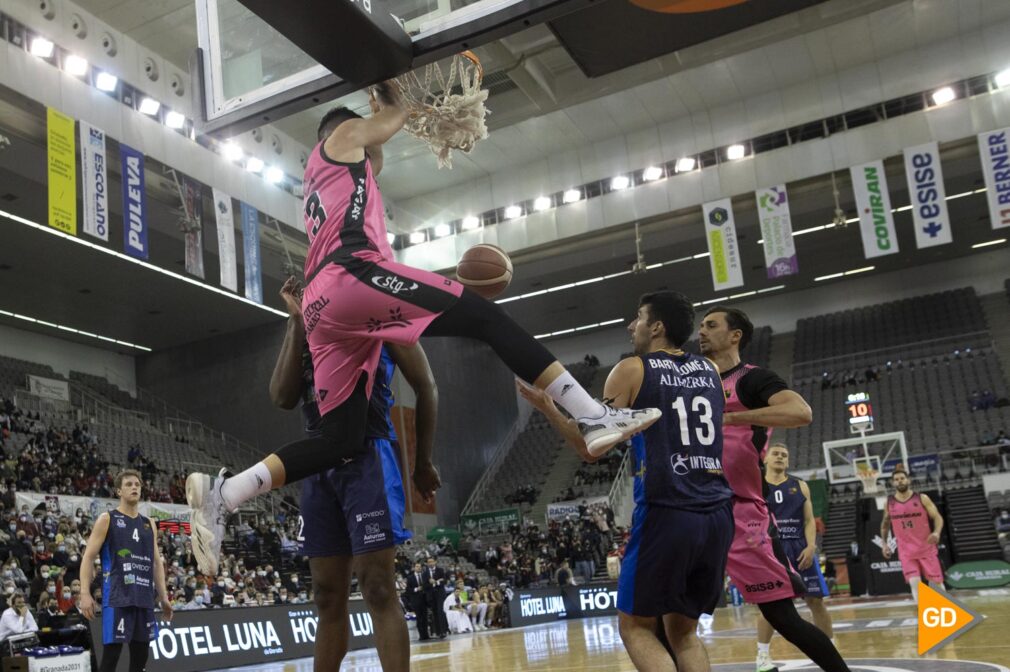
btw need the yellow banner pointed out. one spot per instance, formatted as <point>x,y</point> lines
<point>62,168</point>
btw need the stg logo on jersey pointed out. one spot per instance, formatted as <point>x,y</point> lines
<point>394,285</point>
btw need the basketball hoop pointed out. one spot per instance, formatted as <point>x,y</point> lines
<point>869,481</point>
<point>446,113</point>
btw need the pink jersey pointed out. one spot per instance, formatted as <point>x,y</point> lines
<point>910,523</point>
<point>343,211</point>
<point>743,445</point>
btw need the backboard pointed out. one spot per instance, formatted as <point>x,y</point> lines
<point>845,459</point>
<point>251,74</point>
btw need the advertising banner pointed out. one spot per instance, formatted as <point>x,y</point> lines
<point>724,253</point>
<point>95,178</point>
<point>562,510</point>
<point>193,194</point>
<point>979,574</point>
<point>49,388</point>
<point>225,220</point>
<point>251,243</point>
<point>543,605</point>
<point>94,506</point>
<point>876,222</point>
<point>929,198</point>
<point>994,148</point>
<point>777,232</point>
<point>134,202</point>
<point>61,167</point>
<point>489,522</point>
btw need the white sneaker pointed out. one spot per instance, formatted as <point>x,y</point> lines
<point>616,425</point>
<point>207,517</point>
<point>764,663</point>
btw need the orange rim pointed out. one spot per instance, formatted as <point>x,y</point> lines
<point>476,61</point>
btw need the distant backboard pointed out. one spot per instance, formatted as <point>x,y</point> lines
<point>252,74</point>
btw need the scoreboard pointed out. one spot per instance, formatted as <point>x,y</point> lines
<point>860,412</point>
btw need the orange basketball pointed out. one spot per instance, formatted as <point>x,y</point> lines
<point>685,6</point>
<point>486,269</point>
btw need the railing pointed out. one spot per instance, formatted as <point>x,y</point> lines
<point>95,409</point>
<point>616,495</point>
<point>29,403</point>
<point>497,460</point>
<point>974,339</point>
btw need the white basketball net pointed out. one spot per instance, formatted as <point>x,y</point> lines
<point>869,479</point>
<point>446,113</point>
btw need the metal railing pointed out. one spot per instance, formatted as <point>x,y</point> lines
<point>620,485</point>
<point>974,339</point>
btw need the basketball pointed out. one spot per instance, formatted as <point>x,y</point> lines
<point>486,269</point>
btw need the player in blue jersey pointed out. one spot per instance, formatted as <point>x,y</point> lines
<point>133,575</point>
<point>352,515</point>
<point>789,502</point>
<point>682,526</point>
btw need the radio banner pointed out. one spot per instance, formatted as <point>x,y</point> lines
<point>95,181</point>
<point>929,199</point>
<point>49,388</point>
<point>994,148</point>
<point>777,231</point>
<point>226,239</point>
<point>134,202</point>
<point>251,244</point>
<point>562,510</point>
<point>215,639</point>
<point>193,195</point>
<point>876,223</point>
<point>724,253</point>
<point>61,158</point>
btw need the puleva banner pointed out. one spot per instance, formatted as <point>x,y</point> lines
<point>94,175</point>
<point>777,231</point>
<point>929,199</point>
<point>62,171</point>
<point>225,220</point>
<point>994,148</point>
<point>134,202</point>
<point>876,223</point>
<point>724,253</point>
<point>251,246</point>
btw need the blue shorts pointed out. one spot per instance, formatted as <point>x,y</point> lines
<point>357,508</point>
<point>128,624</point>
<point>675,561</point>
<point>812,577</point>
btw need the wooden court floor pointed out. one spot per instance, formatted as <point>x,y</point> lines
<point>876,635</point>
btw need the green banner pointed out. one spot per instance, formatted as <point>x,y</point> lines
<point>819,497</point>
<point>489,522</point>
<point>979,574</point>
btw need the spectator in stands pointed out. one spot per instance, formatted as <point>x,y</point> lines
<point>1003,522</point>
<point>988,400</point>
<point>1002,439</point>
<point>975,401</point>
<point>17,619</point>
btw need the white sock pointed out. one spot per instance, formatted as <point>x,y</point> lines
<point>251,483</point>
<point>764,649</point>
<point>569,395</point>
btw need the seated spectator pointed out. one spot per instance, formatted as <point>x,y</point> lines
<point>975,401</point>
<point>17,619</point>
<point>564,576</point>
<point>1002,439</point>
<point>456,613</point>
<point>493,604</point>
<point>1003,522</point>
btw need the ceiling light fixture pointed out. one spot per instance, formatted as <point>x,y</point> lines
<point>944,95</point>
<point>42,47</point>
<point>734,152</point>
<point>620,182</point>
<point>231,152</point>
<point>417,238</point>
<point>1003,78</point>
<point>253,164</point>
<point>542,203</point>
<point>998,241</point>
<point>686,164</point>
<point>175,120</point>
<point>571,196</point>
<point>106,82</point>
<point>75,65</point>
<point>274,175</point>
<point>442,230</point>
<point>470,222</point>
<point>149,106</point>
<point>652,173</point>
<point>513,212</point>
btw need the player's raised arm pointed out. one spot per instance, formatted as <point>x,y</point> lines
<point>786,409</point>
<point>348,141</point>
<point>934,517</point>
<point>91,551</point>
<point>286,380</point>
<point>413,364</point>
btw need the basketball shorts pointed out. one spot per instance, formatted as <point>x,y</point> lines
<point>351,307</point>
<point>121,625</point>
<point>675,561</point>
<point>813,578</point>
<point>923,568</point>
<point>356,508</point>
<point>757,564</point>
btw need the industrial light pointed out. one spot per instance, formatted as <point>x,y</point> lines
<point>944,95</point>
<point>571,196</point>
<point>254,165</point>
<point>231,152</point>
<point>106,82</point>
<point>274,175</point>
<point>175,119</point>
<point>417,237</point>
<point>442,230</point>
<point>734,152</point>
<point>652,173</point>
<point>620,182</point>
<point>513,212</point>
<point>542,203</point>
<point>390,237</point>
<point>75,65</point>
<point>149,106</point>
<point>470,222</point>
<point>42,47</point>
<point>685,164</point>
<point>1003,78</point>
<point>998,241</point>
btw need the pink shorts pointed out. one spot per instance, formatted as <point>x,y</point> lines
<point>350,308</point>
<point>928,567</point>
<point>757,565</point>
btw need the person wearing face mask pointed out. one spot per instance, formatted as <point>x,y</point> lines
<point>61,557</point>
<point>17,618</point>
<point>196,602</point>
<point>1003,522</point>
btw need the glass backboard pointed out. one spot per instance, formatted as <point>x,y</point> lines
<point>252,74</point>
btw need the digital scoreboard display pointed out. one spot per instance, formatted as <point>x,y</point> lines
<point>860,412</point>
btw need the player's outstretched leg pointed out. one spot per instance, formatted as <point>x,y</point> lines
<point>782,616</point>
<point>764,657</point>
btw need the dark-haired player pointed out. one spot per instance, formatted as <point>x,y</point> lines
<point>683,525</point>
<point>357,296</point>
<point>758,400</point>
<point>910,514</point>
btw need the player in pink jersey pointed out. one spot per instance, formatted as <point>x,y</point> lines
<point>356,297</point>
<point>910,513</point>
<point>758,400</point>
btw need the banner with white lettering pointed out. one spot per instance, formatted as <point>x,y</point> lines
<point>226,239</point>
<point>544,605</point>
<point>134,202</point>
<point>214,639</point>
<point>49,388</point>
<point>96,183</point>
<point>192,192</point>
<point>251,245</point>
<point>723,251</point>
<point>994,148</point>
<point>777,231</point>
<point>876,223</point>
<point>563,510</point>
<point>929,198</point>
<point>94,506</point>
